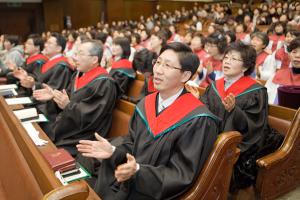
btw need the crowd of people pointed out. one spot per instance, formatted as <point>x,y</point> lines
<point>75,78</point>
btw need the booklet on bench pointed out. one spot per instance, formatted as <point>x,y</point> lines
<point>26,114</point>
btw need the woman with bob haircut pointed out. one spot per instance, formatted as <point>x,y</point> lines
<point>242,105</point>
<point>121,67</point>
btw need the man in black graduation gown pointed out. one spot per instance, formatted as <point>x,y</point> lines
<point>33,47</point>
<point>170,137</point>
<point>55,73</point>
<point>87,104</point>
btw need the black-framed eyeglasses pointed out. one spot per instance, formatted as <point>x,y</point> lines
<point>157,62</point>
<point>232,58</point>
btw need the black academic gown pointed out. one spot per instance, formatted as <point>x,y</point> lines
<point>57,74</point>
<point>92,100</point>
<point>249,117</point>
<point>123,73</point>
<point>171,148</point>
<point>33,68</point>
<point>34,64</point>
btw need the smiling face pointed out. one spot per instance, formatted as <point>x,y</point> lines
<point>30,49</point>
<point>295,57</point>
<point>233,64</point>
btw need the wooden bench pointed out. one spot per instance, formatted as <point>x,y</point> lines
<point>279,172</point>
<point>136,86</point>
<point>214,180</point>
<point>120,118</point>
<point>33,170</point>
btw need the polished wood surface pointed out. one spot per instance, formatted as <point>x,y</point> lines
<point>279,172</point>
<point>32,154</point>
<point>214,180</point>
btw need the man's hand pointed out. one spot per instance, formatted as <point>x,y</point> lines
<point>20,74</point>
<point>61,98</point>
<point>44,94</point>
<point>27,82</point>
<point>126,170</point>
<point>100,149</point>
<point>229,102</point>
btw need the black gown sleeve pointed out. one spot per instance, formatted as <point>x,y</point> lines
<point>249,117</point>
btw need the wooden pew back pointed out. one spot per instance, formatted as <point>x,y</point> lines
<point>136,87</point>
<point>280,118</point>
<point>120,118</point>
<point>214,180</point>
<point>279,171</point>
<point>29,161</point>
<point>38,165</point>
<point>16,178</point>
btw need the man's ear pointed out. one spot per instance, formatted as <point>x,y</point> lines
<point>186,76</point>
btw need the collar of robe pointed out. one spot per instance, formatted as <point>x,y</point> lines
<point>122,64</point>
<point>261,58</point>
<point>36,57</point>
<point>48,65</point>
<point>171,117</point>
<point>150,86</point>
<point>88,77</point>
<point>287,77</point>
<point>237,89</point>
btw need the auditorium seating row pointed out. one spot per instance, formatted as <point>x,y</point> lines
<point>26,175</point>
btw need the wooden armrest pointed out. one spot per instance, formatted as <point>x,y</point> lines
<point>271,159</point>
<point>3,80</point>
<point>78,190</point>
<point>287,148</point>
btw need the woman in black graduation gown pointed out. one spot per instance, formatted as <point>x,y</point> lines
<point>242,103</point>
<point>121,67</point>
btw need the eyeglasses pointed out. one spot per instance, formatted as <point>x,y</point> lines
<point>232,58</point>
<point>157,62</point>
<point>80,54</point>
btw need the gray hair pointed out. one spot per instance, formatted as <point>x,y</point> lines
<point>96,48</point>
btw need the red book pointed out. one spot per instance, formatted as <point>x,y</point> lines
<point>59,159</point>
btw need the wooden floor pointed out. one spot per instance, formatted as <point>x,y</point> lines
<point>293,195</point>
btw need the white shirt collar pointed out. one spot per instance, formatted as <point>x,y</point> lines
<point>162,104</point>
<point>229,82</point>
<point>56,56</point>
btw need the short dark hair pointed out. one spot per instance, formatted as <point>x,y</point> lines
<point>37,40</point>
<point>60,40</point>
<point>248,55</point>
<point>124,44</point>
<point>187,59</point>
<point>163,35</point>
<point>13,39</point>
<point>262,36</point>
<point>293,32</point>
<point>101,36</point>
<point>295,43</point>
<point>96,48</point>
<point>201,36</point>
<point>137,37</point>
<point>143,59</point>
<point>231,35</point>
<point>219,40</point>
